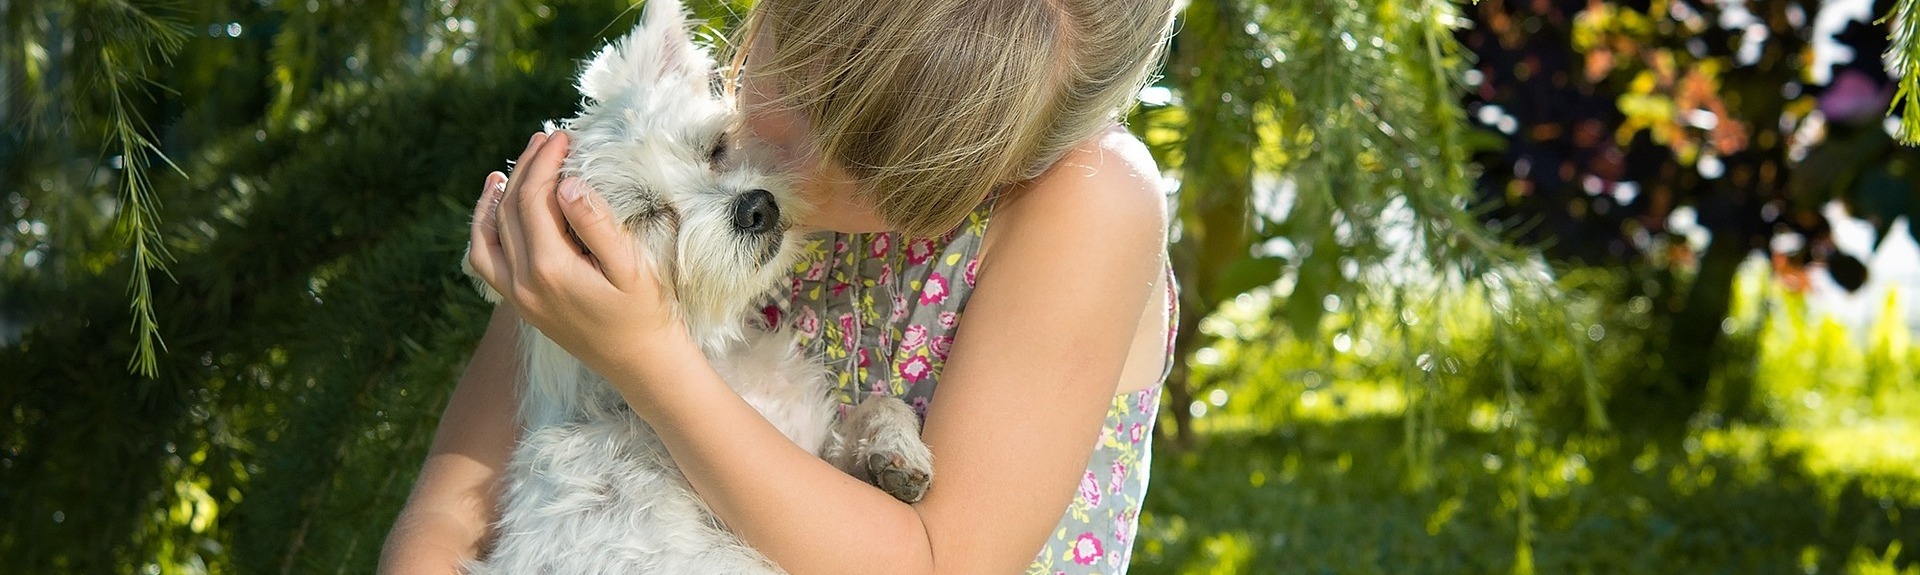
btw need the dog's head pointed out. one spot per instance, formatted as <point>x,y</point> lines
<point>657,139</point>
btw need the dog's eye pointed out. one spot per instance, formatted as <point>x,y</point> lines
<point>719,152</point>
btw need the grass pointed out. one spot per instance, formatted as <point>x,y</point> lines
<point>1306,463</point>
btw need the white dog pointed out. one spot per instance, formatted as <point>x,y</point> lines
<point>590,488</point>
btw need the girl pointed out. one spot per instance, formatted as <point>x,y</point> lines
<point>964,156</point>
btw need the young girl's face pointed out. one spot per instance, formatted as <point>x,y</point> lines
<point>826,184</point>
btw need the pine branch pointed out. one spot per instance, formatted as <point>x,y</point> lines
<point>134,40</point>
<point>1903,59</point>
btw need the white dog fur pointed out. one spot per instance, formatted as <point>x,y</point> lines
<point>590,489</point>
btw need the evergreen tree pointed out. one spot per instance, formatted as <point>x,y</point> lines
<point>285,185</point>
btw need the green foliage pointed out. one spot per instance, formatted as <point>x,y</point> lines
<point>129,41</point>
<point>1903,57</point>
<point>314,314</point>
<point>1335,168</point>
<point>1298,468</point>
<point>1378,368</point>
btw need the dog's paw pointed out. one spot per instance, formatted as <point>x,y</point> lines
<point>899,476</point>
<point>897,460</point>
<point>479,285</point>
<point>879,442</point>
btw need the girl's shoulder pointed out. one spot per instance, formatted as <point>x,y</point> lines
<point>1107,187</point>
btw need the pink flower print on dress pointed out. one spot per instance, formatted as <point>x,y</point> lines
<point>839,247</point>
<point>1087,549</point>
<point>1118,479</point>
<point>915,337</point>
<point>846,331</point>
<point>807,322</point>
<point>973,269</point>
<point>1090,490</point>
<point>941,345</point>
<point>816,271</point>
<point>865,361</point>
<point>1147,399</point>
<point>1123,527</point>
<point>949,319</point>
<point>920,406</point>
<point>916,368</point>
<point>1139,432</point>
<point>935,291</point>
<point>899,308</point>
<point>919,251</point>
<point>881,243</point>
<point>886,273</point>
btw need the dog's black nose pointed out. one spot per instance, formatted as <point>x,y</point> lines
<point>754,212</point>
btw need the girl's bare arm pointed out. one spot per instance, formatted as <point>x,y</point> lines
<point>446,519</point>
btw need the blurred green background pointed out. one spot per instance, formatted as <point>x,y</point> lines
<point>1559,286</point>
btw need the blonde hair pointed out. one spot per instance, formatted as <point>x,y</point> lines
<point>930,105</point>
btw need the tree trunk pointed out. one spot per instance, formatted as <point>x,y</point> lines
<point>1216,182</point>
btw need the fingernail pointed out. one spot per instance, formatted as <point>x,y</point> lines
<point>535,139</point>
<point>571,189</point>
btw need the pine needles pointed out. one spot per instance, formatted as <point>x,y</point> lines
<point>123,46</point>
<point>1903,59</point>
<point>123,68</point>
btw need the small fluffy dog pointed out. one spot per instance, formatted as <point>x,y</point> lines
<point>590,488</point>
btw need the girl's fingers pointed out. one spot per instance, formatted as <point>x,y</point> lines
<point>513,247</point>
<point>483,239</point>
<point>544,228</point>
<point>526,155</point>
<point>593,222</point>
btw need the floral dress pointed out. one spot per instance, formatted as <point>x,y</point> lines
<point>882,311</point>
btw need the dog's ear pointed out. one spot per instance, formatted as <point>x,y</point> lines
<point>659,51</point>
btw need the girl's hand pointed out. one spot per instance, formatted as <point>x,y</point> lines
<point>597,298</point>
